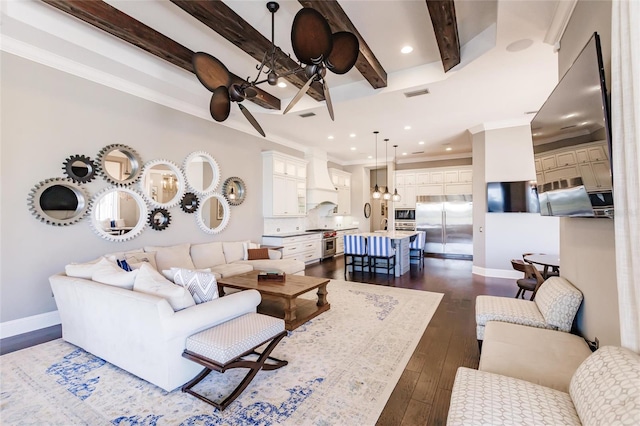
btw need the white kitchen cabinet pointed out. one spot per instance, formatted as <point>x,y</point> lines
<point>436,177</point>
<point>564,159</point>
<point>465,176</point>
<point>436,189</point>
<point>422,178</point>
<point>451,176</point>
<point>306,248</point>
<point>284,185</point>
<point>340,239</point>
<point>549,162</point>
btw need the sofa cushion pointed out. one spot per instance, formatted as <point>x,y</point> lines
<point>152,282</point>
<point>201,285</point>
<point>288,266</point>
<point>558,301</point>
<point>173,256</point>
<point>545,357</point>
<point>481,398</point>
<point>606,387</point>
<point>135,260</point>
<point>516,311</point>
<point>233,250</point>
<point>257,253</point>
<point>207,255</point>
<point>228,270</point>
<point>107,272</point>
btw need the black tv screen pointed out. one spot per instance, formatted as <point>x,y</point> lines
<point>572,141</point>
<point>512,197</point>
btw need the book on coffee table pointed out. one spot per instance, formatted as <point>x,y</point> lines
<point>272,276</point>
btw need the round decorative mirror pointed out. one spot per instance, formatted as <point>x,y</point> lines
<point>159,219</point>
<point>213,213</point>
<point>202,173</point>
<point>119,164</point>
<point>162,183</point>
<point>119,214</point>
<point>189,202</point>
<point>234,190</point>
<point>80,168</point>
<point>58,201</point>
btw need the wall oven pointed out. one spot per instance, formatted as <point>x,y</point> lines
<point>405,225</point>
<point>405,214</point>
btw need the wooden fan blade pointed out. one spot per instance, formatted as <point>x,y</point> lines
<point>251,119</point>
<point>327,98</point>
<point>344,54</point>
<point>220,104</point>
<point>210,71</point>
<point>310,36</point>
<point>300,94</point>
<point>250,92</point>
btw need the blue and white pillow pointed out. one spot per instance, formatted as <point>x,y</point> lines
<point>202,285</point>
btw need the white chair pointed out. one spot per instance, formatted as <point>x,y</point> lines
<point>355,253</point>
<point>416,248</point>
<point>381,248</point>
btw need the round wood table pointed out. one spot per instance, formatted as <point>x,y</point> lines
<point>547,260</point>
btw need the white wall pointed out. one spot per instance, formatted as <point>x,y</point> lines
<point>504,155</point>
<point>47,116</point>
<point>587,246</point>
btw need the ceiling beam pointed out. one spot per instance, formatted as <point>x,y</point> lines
<point>111,20</point>
<point>223,20</point>
<point>367,63</point>
<point>445,27</point>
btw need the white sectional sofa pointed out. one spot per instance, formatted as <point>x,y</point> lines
<point>139,320</point>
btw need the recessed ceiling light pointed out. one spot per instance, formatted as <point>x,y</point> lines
<point>448,148</point>
<point>353,148</point>
<point>421,143</point>
<point>404,153</point>
<point>370,157</point>
<point>282,84</point>
<point>406,49</point>
<point>352,135</point>
<point>407,127</point>
<point>519,45</point>
<point>330,137</point>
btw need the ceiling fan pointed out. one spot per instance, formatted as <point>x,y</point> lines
<point>314,46</point>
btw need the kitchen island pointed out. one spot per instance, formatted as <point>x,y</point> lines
<point>401,242</point>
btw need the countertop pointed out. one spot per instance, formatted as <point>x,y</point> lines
<point>291,234</point>
<point>394,235</point>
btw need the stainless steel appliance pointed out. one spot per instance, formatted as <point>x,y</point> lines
<point>328,242</point>
<point>405,225</point>
<point>405,214</point>
<point>448,222</point>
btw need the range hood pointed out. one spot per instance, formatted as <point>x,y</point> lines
<point>320,189</point>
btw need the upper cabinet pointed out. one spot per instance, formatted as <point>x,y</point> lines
<point>435,181</point>
<point>342,181</point>
<point>284,182</point>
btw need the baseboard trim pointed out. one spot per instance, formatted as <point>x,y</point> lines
<point>496,273</point>
<point>28,324</point>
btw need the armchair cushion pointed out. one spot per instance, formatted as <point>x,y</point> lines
<point>558,302</point>
<point>516,311</point>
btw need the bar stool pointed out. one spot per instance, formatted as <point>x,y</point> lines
<point>355,249</point>
<point>381,248</point>
<point>416,248</point>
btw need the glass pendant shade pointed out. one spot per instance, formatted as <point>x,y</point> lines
<point>376,193</point>
<point>387,194</point>
<point>395,197</point>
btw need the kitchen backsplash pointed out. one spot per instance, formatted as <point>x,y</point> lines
<point>314,220</point>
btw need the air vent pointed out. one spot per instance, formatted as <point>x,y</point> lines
<point>530,112</point>
<point>307,114</point>
<point>567,127</point>
<point>416,93</point>
<point>417,152</point>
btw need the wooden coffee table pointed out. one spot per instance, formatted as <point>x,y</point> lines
<point>280,299</point>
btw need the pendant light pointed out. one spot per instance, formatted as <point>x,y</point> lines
<point>395,197</point>
<point>376,191</point>
<point>387,194</point>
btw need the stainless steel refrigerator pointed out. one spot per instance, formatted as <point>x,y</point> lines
<point>448,222</point>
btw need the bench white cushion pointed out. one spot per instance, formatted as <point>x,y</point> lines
<point>481,398</point>
<point>229,340</point>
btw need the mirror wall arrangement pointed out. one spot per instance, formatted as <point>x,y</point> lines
<point>119,212</point>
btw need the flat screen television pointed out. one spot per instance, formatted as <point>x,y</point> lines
<point>572,141</point>
<point>512,197</point>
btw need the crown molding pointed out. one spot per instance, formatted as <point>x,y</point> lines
<point>561,17</point>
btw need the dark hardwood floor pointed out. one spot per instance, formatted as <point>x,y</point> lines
<point>422,394</point>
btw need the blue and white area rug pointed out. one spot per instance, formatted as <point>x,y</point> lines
<point>343,365</point>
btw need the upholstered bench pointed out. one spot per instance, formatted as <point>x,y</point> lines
<point>537,355</point>
<point>603,391</point>
<point>554,307</point>
<point>227,345</point>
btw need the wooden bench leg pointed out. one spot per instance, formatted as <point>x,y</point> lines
<point>240,362</point>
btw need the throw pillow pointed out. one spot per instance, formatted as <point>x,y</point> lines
<point>248,245</point>
<point>150,281</point>
<point>82,270</point>
<point>169,273</point>
<point>107,272</point>
<point>258,253</point>
<point>174,256</point>
<point>202,285</point>
<point>136,260</point>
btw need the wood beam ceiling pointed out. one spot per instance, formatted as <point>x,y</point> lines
<point>223,20</point>
<point>123,26</point>
<point>367,63</point>
<point>445,27</point>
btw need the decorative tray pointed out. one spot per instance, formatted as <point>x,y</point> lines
<point>272,276</point>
